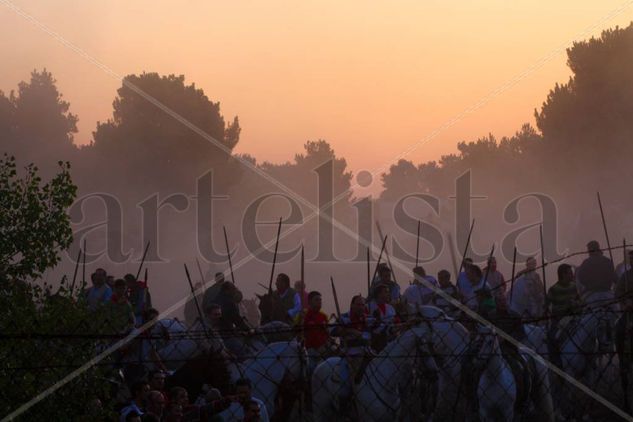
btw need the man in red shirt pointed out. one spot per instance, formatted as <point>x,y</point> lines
<point>314,325</point>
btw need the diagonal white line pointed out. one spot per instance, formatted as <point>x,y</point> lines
<point>277,183</point>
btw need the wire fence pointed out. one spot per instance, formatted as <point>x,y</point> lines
<point>426,366</point>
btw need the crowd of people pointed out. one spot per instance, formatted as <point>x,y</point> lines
<point>358,333</point>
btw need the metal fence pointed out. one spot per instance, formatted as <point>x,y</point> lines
<point>431,368</point>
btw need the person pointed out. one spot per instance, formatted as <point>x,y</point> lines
<point>228,298</point>
<point>495,280</point>
<point>133,416</point>
<point>624,288</point>
<point>188,411</point>
<point>174,413</point>
<point>314,325</point>
<point>138,295</point>
<point>383,276</point>
<point>596,276</point>
<point>444,279</point>
<point>120,316</point>
<point>139,391</point>
<point>562,297</point>
<point>625,265</point>
<point>562,300</point>
<point>100,293</point>
<point>527,298</point>
<point>463,283</point>
<point>211,293</point>
<point>252,412</point>
<point>155,404</point>
<point>385,316</point>
<point>300,288</point>
<point>244,393</point>
<point>355,330</point>
<point>286,301</point>
<point>157,380</point>
<point>418,294</point>
<point>484,302</point>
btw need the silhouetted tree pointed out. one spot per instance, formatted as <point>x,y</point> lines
<point>147,146</point>
<point>35,123</point>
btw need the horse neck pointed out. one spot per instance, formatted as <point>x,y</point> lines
<point>495,360</point>
<point>272,362</point>
<point>450,335</point>
<point>396,360</point>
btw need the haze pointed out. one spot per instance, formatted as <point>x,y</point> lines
<point>369,77</point>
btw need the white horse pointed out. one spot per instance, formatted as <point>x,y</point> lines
<point>276,364</point>
<point>496,387</point>
<point>451,342</point>
<point>377,396</point>
<point>581,341</point>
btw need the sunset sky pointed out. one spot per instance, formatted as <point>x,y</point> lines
<point>371,77</point>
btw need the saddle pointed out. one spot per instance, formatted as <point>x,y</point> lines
<point>522,370</point>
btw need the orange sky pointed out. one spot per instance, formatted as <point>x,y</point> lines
<point>371,77</point>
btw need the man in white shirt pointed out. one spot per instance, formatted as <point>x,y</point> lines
<point>286,301</point>
<point>418,294</point>
<point>527,297</point>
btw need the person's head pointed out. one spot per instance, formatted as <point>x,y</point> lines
<point>99,277</point>
<point>139,391</point>
<point>130,280</point>
<point>419,272</point>
<point>133,416</point>
<point>110,280</point>
<point>384,273</point>
<point>492,263</point>
<point>155,402</point>
<point>212,395</point>
<point>173,412</point>
<point>474,274</point>
<point>219,277</point>
<point>252,412</point>
<point>214,313</point>
<point>383,294</point>
<point>157,380</point>
<point>530,264</point>
<point>315,301</point>
<point>282,283</point>
<point>243,389</point>
<point>120,288</point>
<point>565,273</point>
<point>150,314</point>
<point>467,263</point>
<point>357,306</point>
<point>300,286</point>
<point>593,248</point>
<point>179,395</point>
<point>444,278</point>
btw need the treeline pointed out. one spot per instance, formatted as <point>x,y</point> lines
<point>581,144</point>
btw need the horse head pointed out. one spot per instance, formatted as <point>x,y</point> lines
<point>485,345</point>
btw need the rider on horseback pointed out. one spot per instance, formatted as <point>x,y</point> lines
<point>355,328</point>
<point>596,276</point>
<point>385,316</point>
<point>313,323</point>
<point>285,300</point>
<point>562,299</point>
